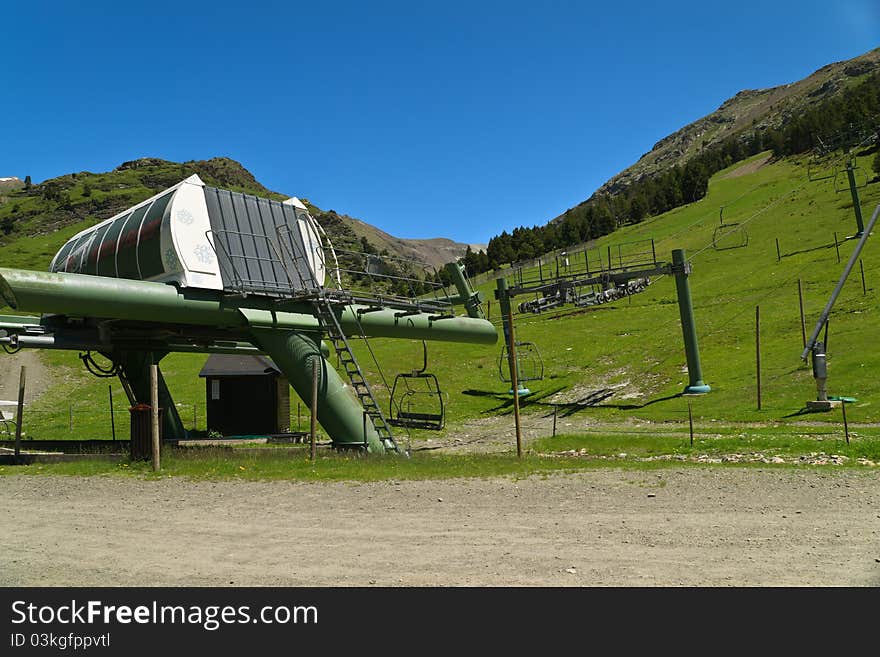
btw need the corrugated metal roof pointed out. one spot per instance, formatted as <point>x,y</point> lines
<point>200,236</point>
<point>238,365</point>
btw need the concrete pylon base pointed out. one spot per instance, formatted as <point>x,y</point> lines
<point>818,406</point>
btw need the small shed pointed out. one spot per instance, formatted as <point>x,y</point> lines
<point>245,395</point>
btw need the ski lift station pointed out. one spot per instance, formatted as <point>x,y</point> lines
<point>201,269</point>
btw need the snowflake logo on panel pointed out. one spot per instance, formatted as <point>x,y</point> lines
<point>170,259</point>
<point>185,217</point>
<point>204,255</point>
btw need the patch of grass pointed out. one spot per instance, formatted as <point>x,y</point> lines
<point>617,450</point>
<point>780,444</point>
<point>221,465</point>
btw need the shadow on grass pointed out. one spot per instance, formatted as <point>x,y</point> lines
<point>595,398</point>
<point>506,399</point>
<point>815,248</point>
<point>592,399</point>
<point>802,411</point>
<point>631,407</point>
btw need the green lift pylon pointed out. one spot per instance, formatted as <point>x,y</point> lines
<point>681,270</point>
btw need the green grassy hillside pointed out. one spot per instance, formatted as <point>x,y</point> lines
<point>58,203</point>
<point>623,363</point>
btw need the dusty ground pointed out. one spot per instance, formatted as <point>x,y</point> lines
<point>38,377</point>
<point>745,169</point>
<point>691,526</point>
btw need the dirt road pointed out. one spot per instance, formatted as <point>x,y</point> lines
<point>38,376</point>
<point>692,526</point>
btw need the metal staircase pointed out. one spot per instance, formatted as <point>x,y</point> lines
<point>329,322</point>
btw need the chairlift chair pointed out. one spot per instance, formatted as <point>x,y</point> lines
<point>417,400</point>
<point>529,364</point>
<point>726,230</point>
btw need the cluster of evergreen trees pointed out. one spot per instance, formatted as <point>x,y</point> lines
<point>839,122</point>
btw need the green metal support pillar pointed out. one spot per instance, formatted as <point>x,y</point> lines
<point>681,270</point>
<point>504,304</point>
<point>136,368</point>
<point>339,412</point>
<point>854,191</point>
<point>466,294</point>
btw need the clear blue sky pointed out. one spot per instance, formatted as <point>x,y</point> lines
<point>454,119</point>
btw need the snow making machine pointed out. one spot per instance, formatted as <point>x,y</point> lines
<point>201,269</point>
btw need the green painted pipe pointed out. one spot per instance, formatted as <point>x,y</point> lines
<point>466,295</point>
<point>81,295</point>
<point>688,325</point>
<point>339,411</point>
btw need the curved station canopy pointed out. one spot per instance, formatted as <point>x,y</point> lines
<point>199,236</point>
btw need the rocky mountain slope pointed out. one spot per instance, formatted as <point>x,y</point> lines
<point>748,110</point>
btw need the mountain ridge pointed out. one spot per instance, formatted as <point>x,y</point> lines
<point>836,107</point>
<point>748,109</point>
<point>45,208</point>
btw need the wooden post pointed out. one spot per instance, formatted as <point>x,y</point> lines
<point>19,413</point>
<point>488,309</point>
<point>837,246</point>
<point>555,410</point>
<point>314,412</point>
<point>862,269</point>
<point>691,421</point>
<point>366,442</point>
<point>845,425</point>
<point>758,351</point>
<point>803,321</point>
<point>778,255</point>
<point>112,416</point>
<point>514,380</point>
<point>154,410</point>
